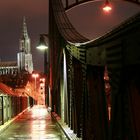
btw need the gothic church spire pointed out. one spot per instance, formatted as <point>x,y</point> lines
<point>24,56</point>
<point>24,29</point>
<point>24,40</point>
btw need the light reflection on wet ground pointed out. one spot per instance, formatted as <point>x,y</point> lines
<point>35,124</point>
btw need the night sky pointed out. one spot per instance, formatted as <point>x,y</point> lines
<point>91,23</point>
<point>11,18</point>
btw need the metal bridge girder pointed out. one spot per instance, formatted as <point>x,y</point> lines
<point>68,4</point>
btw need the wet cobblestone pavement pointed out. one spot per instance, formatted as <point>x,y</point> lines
<point>35,124</point>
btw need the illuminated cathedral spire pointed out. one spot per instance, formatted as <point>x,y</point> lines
<point>24,56</point>
<point>24,40</point>
<point>24,29</point>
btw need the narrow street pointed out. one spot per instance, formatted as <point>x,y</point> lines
<point>35,124</point>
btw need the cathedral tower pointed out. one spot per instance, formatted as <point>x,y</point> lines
<point>24,57</point>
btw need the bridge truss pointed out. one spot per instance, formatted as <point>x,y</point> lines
<point>86,101</point>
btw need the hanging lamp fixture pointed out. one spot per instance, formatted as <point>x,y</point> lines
<point>107,6</point>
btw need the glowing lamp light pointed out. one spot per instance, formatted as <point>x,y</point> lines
<point>42,47</point>
<point>42,79</point>
<point>107,7</point>
<point>42,43</point>
<point>35,75</point>
<point>42,84</point>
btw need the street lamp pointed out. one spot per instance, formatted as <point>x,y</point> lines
<point>107,6</point>
<point>42,91</point>
<point>35,76</point>
<point>43,45</point>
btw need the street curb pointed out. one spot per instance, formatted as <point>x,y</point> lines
<point>9,122</point>
<point>67,131</point>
